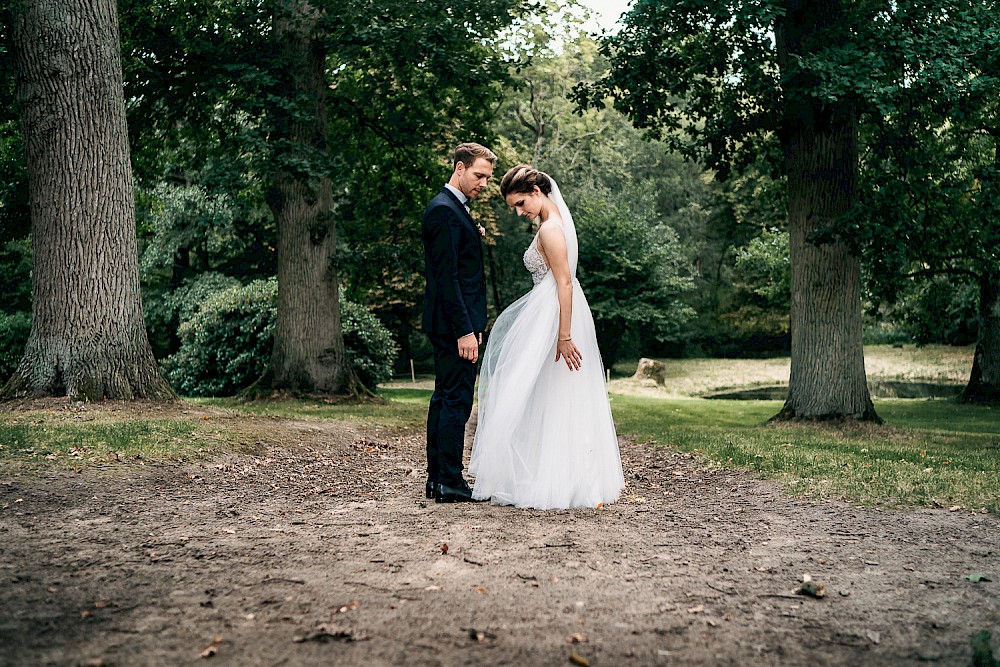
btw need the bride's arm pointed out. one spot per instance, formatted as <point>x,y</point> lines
<point>553,243</point>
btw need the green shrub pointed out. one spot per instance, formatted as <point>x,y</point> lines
<point>226,342</point>
<point>165,310</point>
<point>369,344</point>
<point>940,310</point>
<point>14,331</point>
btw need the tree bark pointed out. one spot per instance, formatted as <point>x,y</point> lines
<point>309,353</point>
<point>819,138</point>
<point>984,381</point>
<point>87,340</point>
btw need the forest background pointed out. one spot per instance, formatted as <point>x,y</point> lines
<point>684,247</point>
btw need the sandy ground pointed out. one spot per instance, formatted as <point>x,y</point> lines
<point>317,548</point>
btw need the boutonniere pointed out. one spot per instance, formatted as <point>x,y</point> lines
<point>482,230</point>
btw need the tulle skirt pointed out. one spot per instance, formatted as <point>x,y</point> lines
<point>545,437</point>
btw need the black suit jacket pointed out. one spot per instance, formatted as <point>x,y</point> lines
<point>455,296</point>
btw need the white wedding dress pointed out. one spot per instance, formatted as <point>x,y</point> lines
<point>545,437</point>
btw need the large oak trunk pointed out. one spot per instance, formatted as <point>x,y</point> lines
<point>984,382</point>
<point>309,351</point>
<point>820,143</point>
<point>87,338</point>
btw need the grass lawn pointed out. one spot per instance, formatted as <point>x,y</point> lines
<point>929,453</point>
<point>49,438</point>
<point>404,409</point>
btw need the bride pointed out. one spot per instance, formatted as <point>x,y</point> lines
<point>545,438</point>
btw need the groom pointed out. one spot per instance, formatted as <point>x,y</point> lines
<point>454,317</point>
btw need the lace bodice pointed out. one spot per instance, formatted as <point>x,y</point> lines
<point>534,262</point>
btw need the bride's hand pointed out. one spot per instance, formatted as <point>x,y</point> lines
<point>565,349</point>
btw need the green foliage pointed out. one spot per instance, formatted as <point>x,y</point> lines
<point>226,337</point>
<point>940,309</point>
<point>209,98</point>
<point>632,272</point>
<point>14,330</point>
<point>704,74</point>
<point>15,216</point>
<point>164,311</point>
<point>226,343</point>
<point>369,344</point>
<point>628,195</point>
<point>16,261</point>
<point>762,283</point>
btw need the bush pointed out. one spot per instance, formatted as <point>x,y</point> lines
<point>226,342</point>
<point>940,310</point>
<point>369,344</point>
<point>14,330</point>
<point>164,311</point>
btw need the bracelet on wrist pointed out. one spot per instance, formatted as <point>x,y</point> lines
<point>565,339</point>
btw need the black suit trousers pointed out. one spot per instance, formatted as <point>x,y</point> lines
<point>451,405</point>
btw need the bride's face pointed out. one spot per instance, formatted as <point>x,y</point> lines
<point>527,204</point>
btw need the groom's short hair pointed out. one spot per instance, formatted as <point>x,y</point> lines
<point>468,153</point>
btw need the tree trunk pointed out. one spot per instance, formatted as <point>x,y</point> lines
<point>821,160</point>
<point>309,353</point>
<point>87,340</point>
<point>984,382</point>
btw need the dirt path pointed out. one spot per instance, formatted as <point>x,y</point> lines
<point>321,551</point>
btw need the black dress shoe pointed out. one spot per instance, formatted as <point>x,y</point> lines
<point>430,488</point>
<point>450,494</point>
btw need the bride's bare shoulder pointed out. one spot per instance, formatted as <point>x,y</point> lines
<point>551,230</point>
<point>553,222</point>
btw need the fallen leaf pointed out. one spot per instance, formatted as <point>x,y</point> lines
<point>579,660</point>
<point>53,589</point>
<point>479,589</point>
<point>696,609</point>
<point>954,508</point>
<point>576,638</point>
<point>212,649</point>
<point>444,548</point>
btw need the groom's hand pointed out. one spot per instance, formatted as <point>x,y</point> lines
<point>468,347</point>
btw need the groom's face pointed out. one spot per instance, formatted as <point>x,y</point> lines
<point>472,180</point>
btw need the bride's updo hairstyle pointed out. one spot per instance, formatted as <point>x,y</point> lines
<point>523,178</point>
